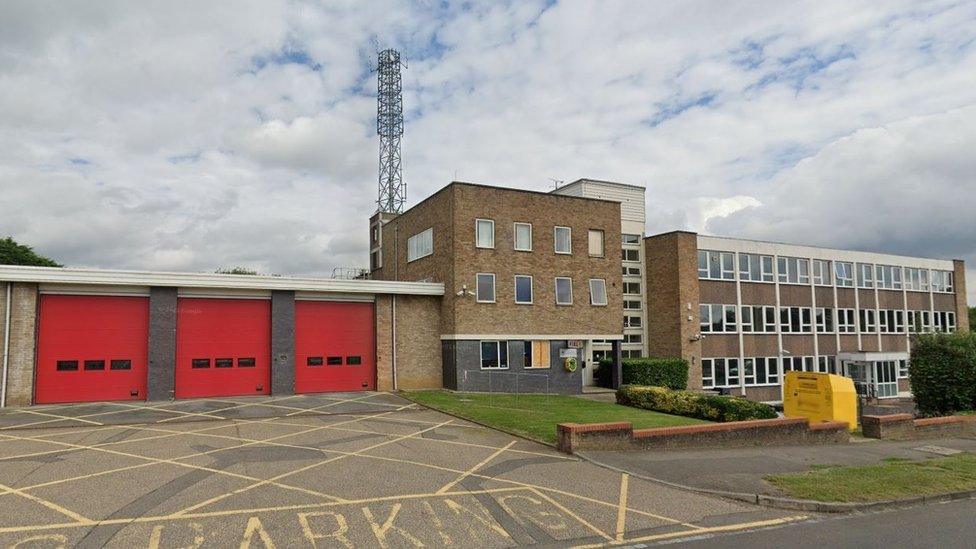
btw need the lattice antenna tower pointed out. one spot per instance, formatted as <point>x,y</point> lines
<point>389,125</point>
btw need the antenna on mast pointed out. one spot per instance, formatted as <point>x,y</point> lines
<point>389,125</point>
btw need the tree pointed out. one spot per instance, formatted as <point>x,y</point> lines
<point>12,253</point>
<point>236,271</point>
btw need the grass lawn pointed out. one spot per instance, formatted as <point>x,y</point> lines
<point>535,417</point>
<point>892,479</point>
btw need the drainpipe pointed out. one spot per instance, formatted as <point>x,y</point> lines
<point>6,347</point>
<point>394,345</point>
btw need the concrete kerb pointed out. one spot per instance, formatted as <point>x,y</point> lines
<point>793,504</point>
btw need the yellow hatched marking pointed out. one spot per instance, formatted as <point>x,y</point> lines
<point>703,530</point>
<point>335,403</point>
<point>622,508</point>
<point>56,416</point>
<point>52,506</point>
<point>578,518</point>
<point>481,464</point>
<point>303,469</point>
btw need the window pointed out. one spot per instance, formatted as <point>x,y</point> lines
<point>313,361</point>
<point>720,372</point>
<point>632,321</point>
<point>795,320</point>
<point>902,369</point>
<point>891,321</point>
<point>334,361</point>
<point>246,362</point>
<point>826,364</point>
<point>67,365</point>
<point>523,237</point>
<point>717,318</point>
<point>564,290</point>
<point>821,272</point>
<point>865,275</point>
<point>868,322</point>
<point>917,279</point>
<point>632,338</point>
<point>845,321</point>
<point>945,321</point>
<point>844,273</point>
<point>798,364</point>
<point>485,233</point>
<point>825,320</point>
<point>632,288</point>
<point>630,353</point>
<point>375,260</point>
<point>564,240</point>
<point>632,304</point>
<point>793,270</point>
<point>120,365</point>
<point>630,255</point>
<point>523,289</point>
<point>420,245</point>
<point>760,319</point>
<point>598,291</point>
<point>716,265</point>
<point>486,288</point>
<point>631,271</point>
<point>942,281</point>
<point>200,363</point>
<point>767,371</point>
<point>354,360</point>
<point>535,354</point>
<point>631,239</point>
<point>94,365</point>
<point>919,321</point>
<point>494,355</point>
<point>595,243</point>
<point>223,363</point>
<point>888,277</point>
<point>756,268</point>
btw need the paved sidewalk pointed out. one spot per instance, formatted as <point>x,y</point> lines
<point>742,469</point>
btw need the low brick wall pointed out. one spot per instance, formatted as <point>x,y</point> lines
<point>573,437</point>
<point>906,427</point>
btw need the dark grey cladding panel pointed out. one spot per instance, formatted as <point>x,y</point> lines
<point>448,356</point>
<point>282,342</point>
<point>468,375</point>
<point>161,374</point>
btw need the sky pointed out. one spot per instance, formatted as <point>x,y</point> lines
<point>191,136</point>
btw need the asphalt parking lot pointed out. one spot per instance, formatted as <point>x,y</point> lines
<point>343,470</point>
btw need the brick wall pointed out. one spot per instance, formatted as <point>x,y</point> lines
<point>418,342</point>
<point>23,320</point>
<point>671,281</point>
<point>962,306</point>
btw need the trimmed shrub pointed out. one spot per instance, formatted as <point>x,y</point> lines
<point>688,404</point>
<point>942,372</point>
<point>659,372</point>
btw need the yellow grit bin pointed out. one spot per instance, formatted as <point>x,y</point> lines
<point>820,397</point>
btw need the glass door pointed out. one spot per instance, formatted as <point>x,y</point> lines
<point>886,380</point>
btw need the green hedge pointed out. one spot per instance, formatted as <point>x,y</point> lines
<point>659,372</point>
<point>686,403</point>
<point>942,371</point>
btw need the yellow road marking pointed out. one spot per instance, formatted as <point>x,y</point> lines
<point>481,464</point>
<point>622,507</point>
<point>58,418</point>
<point>704,530</point>
<point>578,518</point>
<point>335,403</point>
<point>53,506</point>
<point>302,469</point>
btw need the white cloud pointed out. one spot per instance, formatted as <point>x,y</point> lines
<point>192,136</point>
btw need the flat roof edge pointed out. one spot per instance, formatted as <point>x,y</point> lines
<point>17,273</point>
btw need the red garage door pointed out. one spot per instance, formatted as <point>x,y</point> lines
<point>91,348</point>
<point>335,346</point>
<point>223,347</point>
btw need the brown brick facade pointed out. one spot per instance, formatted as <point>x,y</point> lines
<point>961,304</point>
<point>20,366</point>
<point>418,345</point>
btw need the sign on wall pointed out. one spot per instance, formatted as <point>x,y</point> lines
<point>576,343</point>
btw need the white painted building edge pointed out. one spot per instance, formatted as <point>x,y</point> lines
<point>727,244</point>
<point>459,337</point>
<point>92,277</point>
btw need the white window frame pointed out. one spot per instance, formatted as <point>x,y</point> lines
<point>845,281</point>
<point>606,296</point>
<point>589,243</point>
<point>515,228</point>
<point>411,243</point>
<point>625,236</point>
<point>861,270</point>
<point>805,325</point>
<point>820,319</point>
<point>556,288</point>
<point>477,288</point>
<point>477,241</point>
<point>499,345</point>
<point>821,272</point>
<point>747,263</point>
<point>790,271</point>
<point>555,240</point>
<point>845,321</point>
<point>723,273</point>
<point>531,290</point>
<point>630,251</point>
<point>626,284</point>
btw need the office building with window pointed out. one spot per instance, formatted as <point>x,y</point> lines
<point>531,278</point>
<point>632,220</point>
<point>743,312</point>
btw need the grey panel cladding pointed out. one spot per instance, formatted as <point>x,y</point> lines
<point>282,342</point>
<point>161,371</point>
<point>468,375</point>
